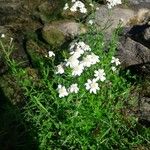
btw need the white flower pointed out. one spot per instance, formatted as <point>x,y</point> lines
<point>92,86</point>
<point>80,47</point>
<point>83,10</point>
<point>116,61</point>
<point>121,20</point>
<point>94,58</point>
<point>90,60</point>
<point>66,6</point>
<point>51,54</point>
<point>73,8</point>
<point>75,54</point>
<point>87,61</point>
<point>72,46</point>
<point>97,8</point>
<point>77,70</point>
<point>60,69</point>
<point>73,88</point>
<point>62,91</point>
<point>83,46</point>
<point>100,75</point>
<point>3,36</point>
<point>11,40</point>
<point>113,68</point>
<point>112,3</point>
<point>72,61</point>
<point>91,5</point>
<point>78,5</point>
<point>73,1</point>
<point>90,22</point>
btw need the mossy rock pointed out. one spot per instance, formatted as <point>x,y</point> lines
<point>50,10</point>
<point>11,89</point>
<point>35,52</point>
<point>53,36</point>
<point>61,31</point>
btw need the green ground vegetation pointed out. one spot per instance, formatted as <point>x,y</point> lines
<point>83,120</point>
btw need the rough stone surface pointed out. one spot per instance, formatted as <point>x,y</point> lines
<point>136,2</point>
<point>50,10</point>
<point>133,53</point>
<point>17,14</point>
<point>35,52</point>
<point>11,89</point>
<point>110,19</point>
<point>147,34</point>
<point>15,19</point>
<point>57,32</point>
<point>145,109</point>
<point>139,34</point>
<point>3,67</point>
<point>9,10</point>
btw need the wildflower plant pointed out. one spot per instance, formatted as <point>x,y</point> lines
<point>112,3</point>
<point>76,6</point>
<point>75,103</point>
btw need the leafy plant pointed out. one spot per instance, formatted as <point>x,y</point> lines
<point>80,118</point>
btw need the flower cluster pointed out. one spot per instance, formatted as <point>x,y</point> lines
<point>92,85</point>
<point>112,3</point>
<point>80,58</point>
<point>65,92</point>
<point>116,62</point>
<point>77,62</point>
<point>51,54</point>
<point>77,6</point>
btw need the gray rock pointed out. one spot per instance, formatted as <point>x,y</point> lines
<point>140,33</point>
<point>132,53</point>
<point>110,19</point>
<point>144,108</point>
<point>135,2</point>
<point>9,10</point>
<point>49,10</point>
<point>57,32</point>
<point>17,14</point>
<point>147,34</point>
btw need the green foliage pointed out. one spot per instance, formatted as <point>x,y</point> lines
<point>83,120</point>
